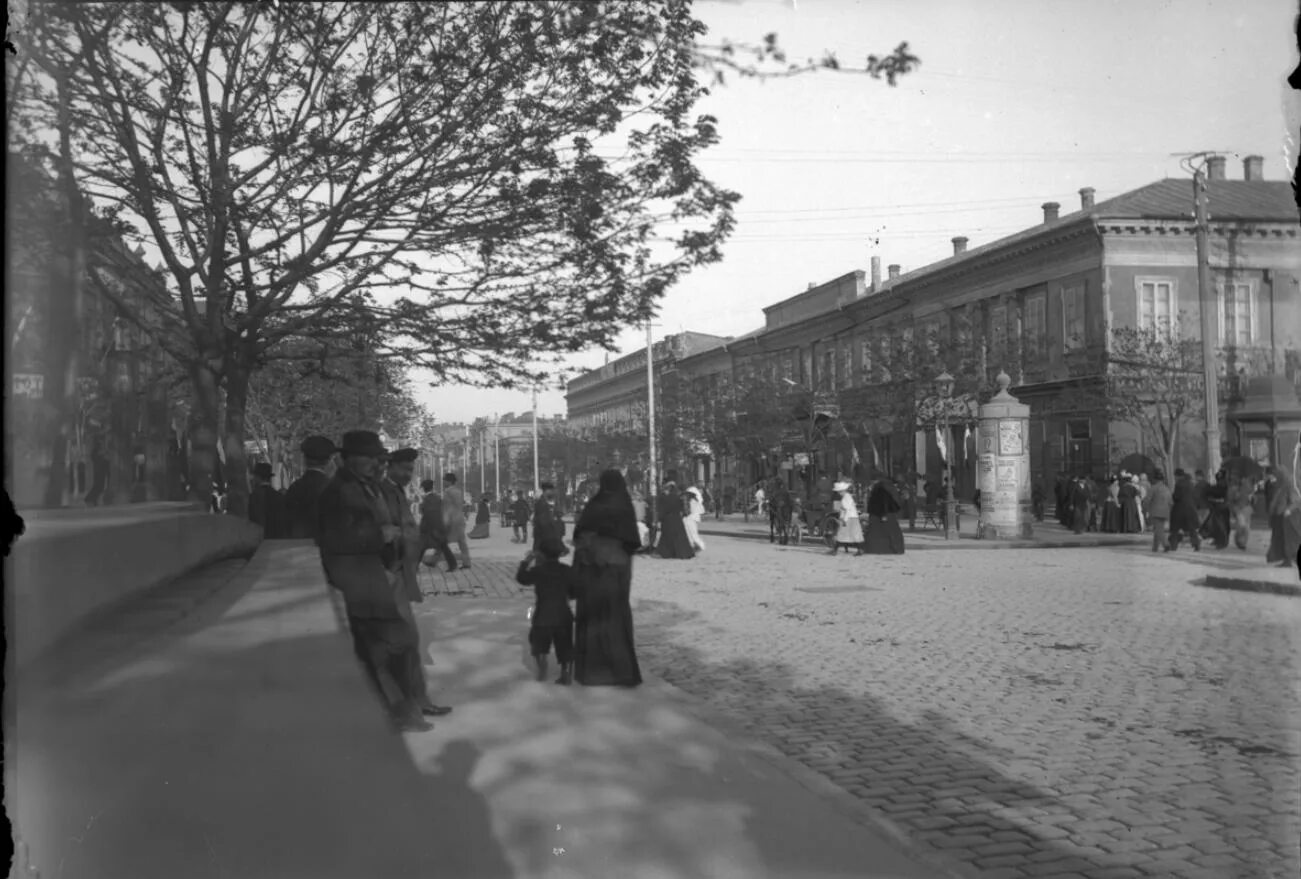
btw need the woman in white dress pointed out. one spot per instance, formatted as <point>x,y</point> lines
<point>850,532</point>
<point>695,512</point>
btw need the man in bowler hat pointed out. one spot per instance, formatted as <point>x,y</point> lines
<point>397,476</point>
<point>303,495</point>
<point>360,544</point>
<point>266,506</point>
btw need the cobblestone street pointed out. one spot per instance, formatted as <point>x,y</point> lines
<point>1071,712</point>
<point>1047,713</point>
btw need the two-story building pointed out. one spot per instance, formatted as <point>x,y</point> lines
<point>1040,304</point>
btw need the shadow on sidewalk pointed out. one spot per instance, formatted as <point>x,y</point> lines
<point>610,781</point>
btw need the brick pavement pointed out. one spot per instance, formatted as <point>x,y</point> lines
<point>1079,712</point>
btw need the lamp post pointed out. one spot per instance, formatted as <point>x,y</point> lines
<point>944,384</point>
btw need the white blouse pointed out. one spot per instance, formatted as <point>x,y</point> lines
<point>848,509</point>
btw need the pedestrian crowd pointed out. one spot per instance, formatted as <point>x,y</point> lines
<point>354,501</point>
<point>1192,508</point>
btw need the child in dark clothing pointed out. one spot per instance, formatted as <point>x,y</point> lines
<point>553,621</point>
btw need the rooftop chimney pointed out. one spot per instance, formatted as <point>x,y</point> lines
<point>876,273</point>
<point>1215,168</point>
<point>1050,211</point>
<point>959,245</point>
<point>812,284</point>
<point>894,270</point>
<point>1086,198</point>
<point>1253,168</point>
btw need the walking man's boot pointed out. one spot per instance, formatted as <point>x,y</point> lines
<point>566,674</point>
<point>542,667</point>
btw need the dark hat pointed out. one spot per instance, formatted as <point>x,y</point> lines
<point>403,456</point>
<point>449,477</point>
<point>545,485</point>
<point>262,470</point>
<point>671,476</point>
<point>362,442</point>
<point>1179,471</point>
<point>317,448</point>
<point>552,547</point>
<point>1158,476</point>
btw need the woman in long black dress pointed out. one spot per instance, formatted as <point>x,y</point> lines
<point>1111,520</point>
<point>884,536</point>
<point>604,539</point>
<point>1131,521</point>
<point>481,519</point>
<point>673,542</point>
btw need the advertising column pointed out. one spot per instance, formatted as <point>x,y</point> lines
<point>1004,466</point>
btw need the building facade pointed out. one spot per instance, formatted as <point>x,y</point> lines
<point>855,359</point>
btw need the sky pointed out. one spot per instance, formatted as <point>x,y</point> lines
<point>1015,103</point>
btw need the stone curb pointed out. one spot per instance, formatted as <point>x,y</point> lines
<point>1245,584</point>
<point>961,543</point>
<point>809,779</point>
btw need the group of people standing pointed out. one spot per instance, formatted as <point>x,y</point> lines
<point>1193,507</point>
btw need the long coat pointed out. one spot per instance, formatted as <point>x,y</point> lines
<point>352,547</point>
<point>1183,507</point>
<point>302,503</point>
<point>412,547</point>
<point>546,523</point>
<point>266,507</point>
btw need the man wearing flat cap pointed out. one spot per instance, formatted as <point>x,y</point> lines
<point>361,550</point>
<point>266,506</point>
<point>303,495</point>
<point>546,521</point>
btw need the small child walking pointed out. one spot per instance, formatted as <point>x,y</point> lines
<point>553,621</point>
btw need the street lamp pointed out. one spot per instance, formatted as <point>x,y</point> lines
<point>944,385</point>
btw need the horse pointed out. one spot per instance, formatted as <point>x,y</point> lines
<point>780,507</point>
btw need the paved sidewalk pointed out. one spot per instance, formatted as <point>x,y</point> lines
<point>242,741</point>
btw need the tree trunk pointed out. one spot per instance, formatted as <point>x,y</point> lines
<point>233,442</point>
<point>66,314</point>
<point>203,433</point>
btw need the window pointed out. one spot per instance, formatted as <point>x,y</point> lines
<point>931,337</point>
<point>1237,314</point>
<point>884,359</point>
<point>1035,325</point>
<point>1156,304</point>
<point>1072,318</point>
<point>847,364</point>
<point>827,372</point>
<point>866,346</point>
<point>806,378</point>
<point>998,333</point>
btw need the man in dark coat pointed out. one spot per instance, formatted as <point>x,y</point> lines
<point>546,521</point>
<point>360,544</point>
<point>304,494</point>
<point>397,476</point>
<point>433,526</point>
<point>1080,499</point>
<point>1183,512</point>
<point>266,506</point>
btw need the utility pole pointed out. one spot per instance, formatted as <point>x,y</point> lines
<point>465,458</point>
<point>1208,306</point>
<point>483,470</point>
<point>650,422</point>
<point>537,488</point>
<point>496,456</point>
